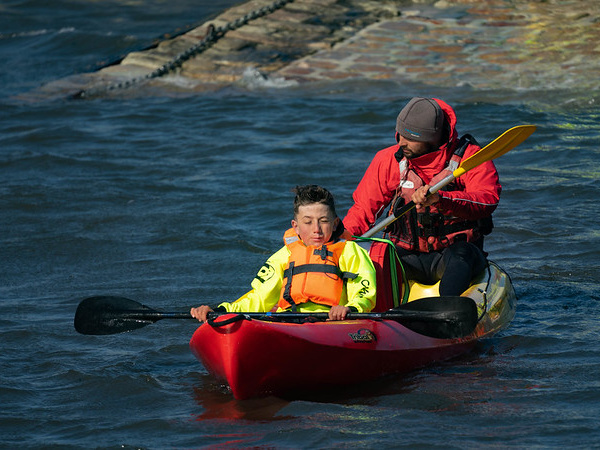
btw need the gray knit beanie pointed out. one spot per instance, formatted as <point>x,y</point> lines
<point>421,120</point>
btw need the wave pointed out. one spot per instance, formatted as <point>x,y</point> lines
<point>33,33</point>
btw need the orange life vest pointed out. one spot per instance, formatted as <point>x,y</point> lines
<point>312,273</point>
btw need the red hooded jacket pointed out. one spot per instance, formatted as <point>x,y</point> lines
<point>475,194</point>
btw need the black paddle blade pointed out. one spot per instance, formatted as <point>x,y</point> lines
<point>111,315</point>
<point>458,316</point>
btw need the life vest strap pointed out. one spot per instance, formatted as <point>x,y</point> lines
<point>323,252</point>
<point>321,268</point>
<point>288,273</point>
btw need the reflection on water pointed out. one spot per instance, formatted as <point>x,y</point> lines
<point>216,402</point>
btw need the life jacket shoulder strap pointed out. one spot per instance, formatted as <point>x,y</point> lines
<point>459,152</point>
<point>463,143</point>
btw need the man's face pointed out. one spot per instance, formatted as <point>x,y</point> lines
<point>315,224</point>
<point>414,149</point>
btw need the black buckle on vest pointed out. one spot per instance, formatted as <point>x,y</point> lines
<point>431,224</point>
<point>323,252</point>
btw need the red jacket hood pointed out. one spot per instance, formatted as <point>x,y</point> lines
<point>451,120</point>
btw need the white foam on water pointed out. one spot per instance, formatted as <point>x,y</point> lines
<point>252,78</point>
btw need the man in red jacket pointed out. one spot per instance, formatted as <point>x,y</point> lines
<point>442,238</point>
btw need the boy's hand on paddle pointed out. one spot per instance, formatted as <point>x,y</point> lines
<point>201,312</point>
<point>338,312</point>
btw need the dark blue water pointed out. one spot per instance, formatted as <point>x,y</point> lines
<point>178,201</point>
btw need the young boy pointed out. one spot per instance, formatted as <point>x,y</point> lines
<point>314,271</point>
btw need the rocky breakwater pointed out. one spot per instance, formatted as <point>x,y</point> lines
<point>262,35</point>
<point>487,45</point>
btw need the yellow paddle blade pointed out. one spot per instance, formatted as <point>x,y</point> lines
<point>498,147</point>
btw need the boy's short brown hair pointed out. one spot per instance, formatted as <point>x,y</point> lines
<point>311,193</point>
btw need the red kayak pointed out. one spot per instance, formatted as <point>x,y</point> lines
<point>261,357</point>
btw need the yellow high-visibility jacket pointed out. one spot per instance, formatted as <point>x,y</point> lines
<point>358,292</point>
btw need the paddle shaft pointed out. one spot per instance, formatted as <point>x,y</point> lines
<point>441,317</point>
<point>154,316</point>
<point>406,208</point>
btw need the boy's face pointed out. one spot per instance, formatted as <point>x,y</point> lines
<point>315,224</point>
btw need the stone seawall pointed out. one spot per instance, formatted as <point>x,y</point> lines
<point>448,43</point>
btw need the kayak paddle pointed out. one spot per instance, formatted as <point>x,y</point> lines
<point>498,147</point>
<point>439,317</point>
